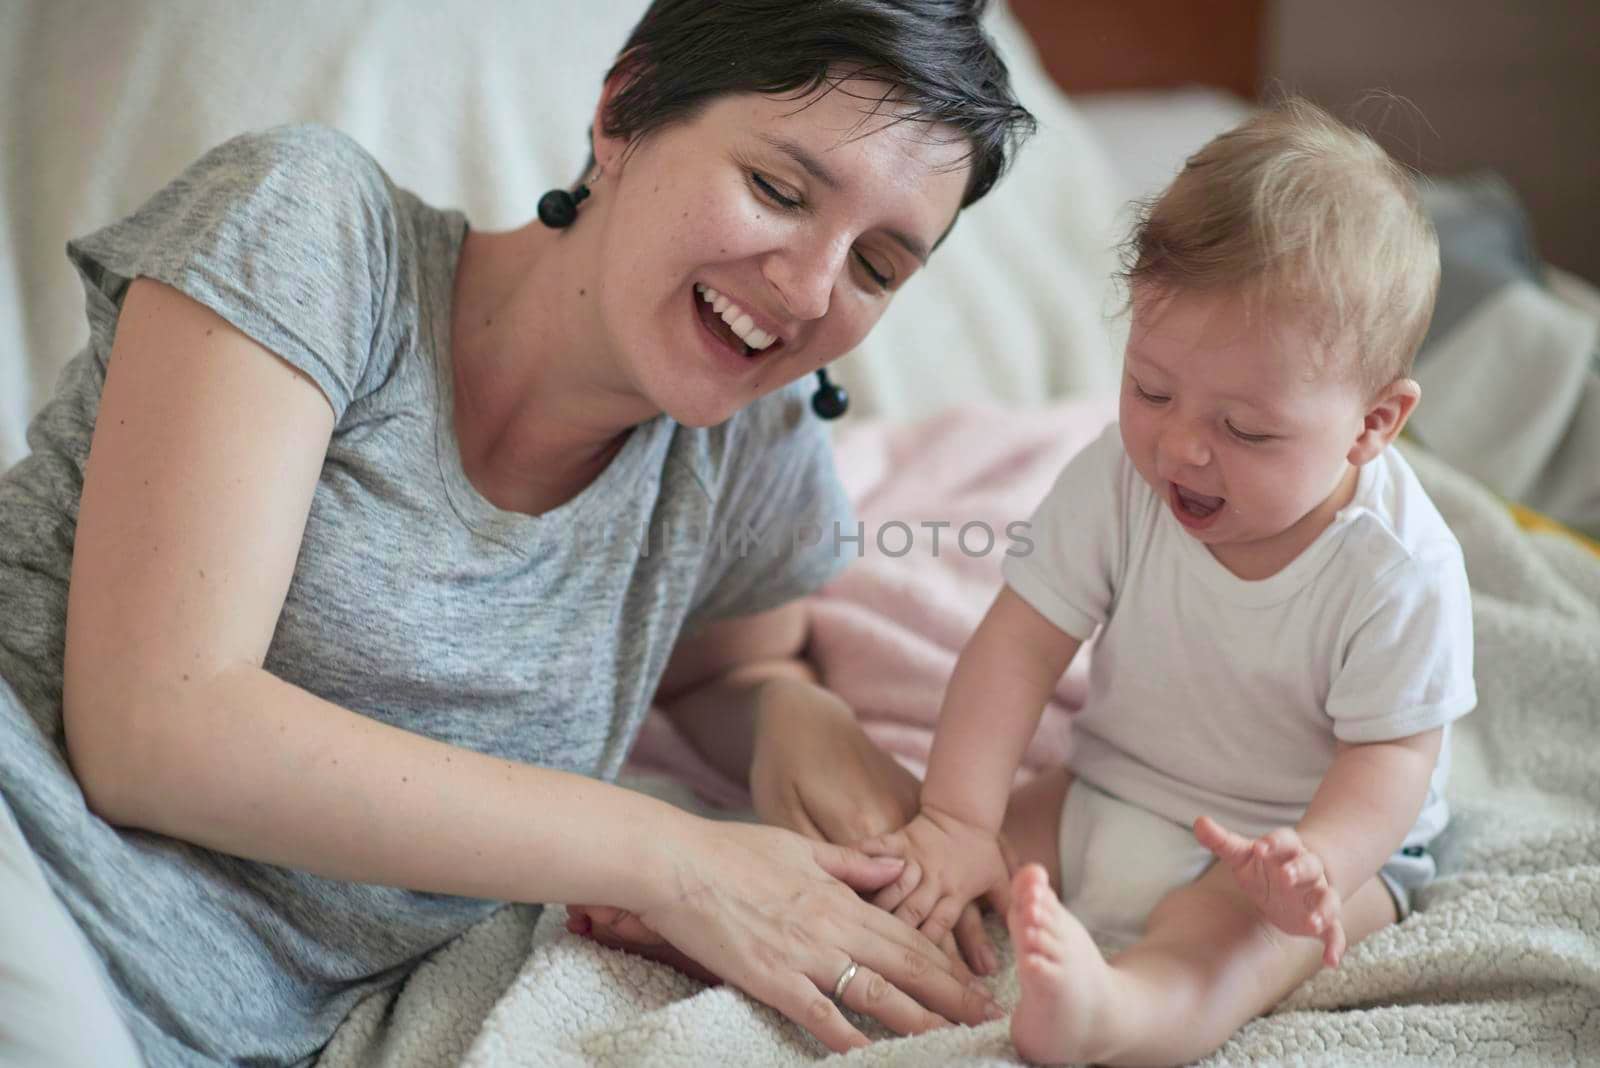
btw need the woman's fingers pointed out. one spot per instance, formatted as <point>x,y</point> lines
<point>952,951</point>
<point>799,999</point>
<point>908,960</point>
<point>889,898</point>
<point>891,844</point>
<point>872,995</point>
<point>855,869</point>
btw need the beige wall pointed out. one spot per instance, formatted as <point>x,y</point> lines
<point>1508,84</point>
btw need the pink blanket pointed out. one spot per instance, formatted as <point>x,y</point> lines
<point>886,633</point>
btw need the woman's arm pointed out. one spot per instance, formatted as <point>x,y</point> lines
<point>193,507</point>
<point>743,694</point>
<point>194,502</point>
<point>714,681</point>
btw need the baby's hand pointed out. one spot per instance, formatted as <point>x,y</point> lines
<point>949,864</point>
<point>1286,881</point>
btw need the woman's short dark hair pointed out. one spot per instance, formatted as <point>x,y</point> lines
<point>941,65</point>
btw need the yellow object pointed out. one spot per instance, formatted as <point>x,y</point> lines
<point>1539,523</point>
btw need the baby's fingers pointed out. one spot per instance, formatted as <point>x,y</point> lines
<point>1323,912</point>
<point>942,919</point>
<point>1280,845</point>
<point>1333,944</point>
<point>919,905</point>
<point>1230,848</point>
<point>1302,872</point>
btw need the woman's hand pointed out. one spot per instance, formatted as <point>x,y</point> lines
<point>779,916</point>
<point>815,771</point>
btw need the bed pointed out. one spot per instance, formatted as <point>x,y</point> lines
<point>1011,338</point>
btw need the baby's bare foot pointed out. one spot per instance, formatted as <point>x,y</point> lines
<point>1065,982</point>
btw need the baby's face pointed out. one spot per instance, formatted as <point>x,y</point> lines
<point>1228,420</point>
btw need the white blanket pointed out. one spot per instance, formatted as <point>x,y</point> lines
<point>1500,963</point>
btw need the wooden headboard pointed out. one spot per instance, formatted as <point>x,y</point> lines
<point>1090,45</point>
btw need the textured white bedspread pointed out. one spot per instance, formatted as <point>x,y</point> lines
<point>1500,964</point>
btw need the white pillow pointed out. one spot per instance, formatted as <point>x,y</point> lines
<point>1148,134</point>
<point>483,105</point>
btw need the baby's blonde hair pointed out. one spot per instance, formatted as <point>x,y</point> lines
<point>1305,214</point>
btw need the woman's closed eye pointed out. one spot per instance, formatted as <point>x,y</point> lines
<point>880,278</point>
<point>770,192</point>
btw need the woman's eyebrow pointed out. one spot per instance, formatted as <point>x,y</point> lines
<point>818,170</point>
<point>809,163</point>
<point>910,244</point>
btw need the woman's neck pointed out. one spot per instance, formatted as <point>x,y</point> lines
<point>541,406</point>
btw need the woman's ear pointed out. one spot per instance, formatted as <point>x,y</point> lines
<point>607,150</point>
<point>1386,416</point>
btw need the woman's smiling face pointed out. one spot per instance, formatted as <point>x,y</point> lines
<point>762,239</point>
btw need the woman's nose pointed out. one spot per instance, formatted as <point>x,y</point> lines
<point>804,276</point>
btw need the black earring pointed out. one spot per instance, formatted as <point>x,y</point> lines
<point>558,208</point>
<point>829,401</point>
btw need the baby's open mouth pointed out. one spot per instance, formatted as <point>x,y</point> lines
<point>730,323</point>
<point>1197,504</point>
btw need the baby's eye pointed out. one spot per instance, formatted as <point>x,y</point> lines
<point>1153,398</point>
<point>1252,439</point>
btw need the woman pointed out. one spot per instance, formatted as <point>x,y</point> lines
<point>360,617</point>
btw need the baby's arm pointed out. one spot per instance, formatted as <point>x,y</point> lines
<point>1367,802</point>
<point>1001,683</point>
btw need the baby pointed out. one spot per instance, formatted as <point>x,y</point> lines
<point>1281,620</point>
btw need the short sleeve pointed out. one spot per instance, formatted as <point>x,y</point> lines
<point>1406,663</point>
<point>779,506</point>
<point>284,233</point>
<point>1069,564</point>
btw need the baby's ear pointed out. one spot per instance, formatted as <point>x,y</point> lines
<point>1386,417</point>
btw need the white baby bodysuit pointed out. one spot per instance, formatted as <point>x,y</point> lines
<point>1213,695</point>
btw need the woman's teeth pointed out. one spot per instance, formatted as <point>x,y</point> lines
<point>737,319</point>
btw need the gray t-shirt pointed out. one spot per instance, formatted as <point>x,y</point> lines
<point>414,600</point>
